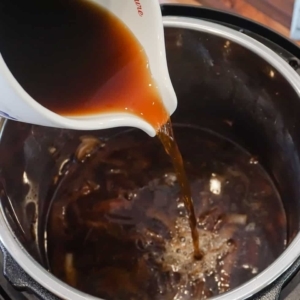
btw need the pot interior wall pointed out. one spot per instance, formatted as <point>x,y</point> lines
<point>220,85</point>
<point>217,81</point>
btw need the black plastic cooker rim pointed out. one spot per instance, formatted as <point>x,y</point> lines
<point>228,18</point>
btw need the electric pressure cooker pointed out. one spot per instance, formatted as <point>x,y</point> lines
<point>247,73</point>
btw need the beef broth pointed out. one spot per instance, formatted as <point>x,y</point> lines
<point>76,59</point>
<point>118,228</point>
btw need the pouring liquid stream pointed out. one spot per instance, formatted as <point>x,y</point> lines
<point>166,136</point>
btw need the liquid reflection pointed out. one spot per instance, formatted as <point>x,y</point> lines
<point>215,185</point>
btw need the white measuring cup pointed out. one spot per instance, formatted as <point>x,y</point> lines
<point>143,18</point>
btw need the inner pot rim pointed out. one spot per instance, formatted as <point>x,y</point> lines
<point>281,264</point>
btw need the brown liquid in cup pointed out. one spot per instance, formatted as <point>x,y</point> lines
<point>76,59</point>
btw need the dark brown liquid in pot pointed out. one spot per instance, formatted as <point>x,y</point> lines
<point>118,228</point>
<point>76,59</point>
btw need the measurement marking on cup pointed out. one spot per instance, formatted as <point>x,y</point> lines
<point>139,7</point>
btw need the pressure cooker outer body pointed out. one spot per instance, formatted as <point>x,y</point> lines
<point>270,122</point>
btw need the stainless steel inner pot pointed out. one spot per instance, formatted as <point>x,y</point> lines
<point>218,74</point>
